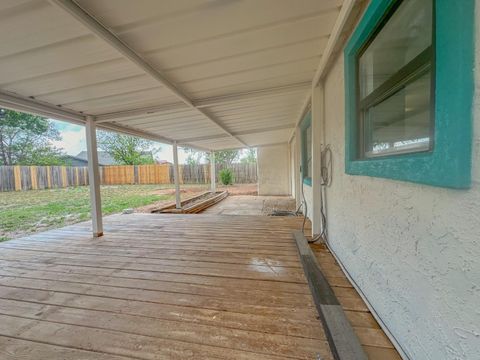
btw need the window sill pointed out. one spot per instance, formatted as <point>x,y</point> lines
<point>428,168</point>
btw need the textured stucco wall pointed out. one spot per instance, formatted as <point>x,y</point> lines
<point>273,170</point>
<point>414,250</point>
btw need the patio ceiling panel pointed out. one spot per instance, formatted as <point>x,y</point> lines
<point>78,52</point>
<point>271,97</point>
<point>246,86</point>
<point>221,48</point>
<point>36,31</point>
<point>240,64</point>
<point>250,42</point>
<point>229,71</point>
<point>217,143</point>
<point>124,85</point>
<point>160,118</point>
<point>128,100</point>
<point>167,24</point>
<point>275,136</point>
<point>56,82</point>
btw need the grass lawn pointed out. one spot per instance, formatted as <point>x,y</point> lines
<point>25,212</point>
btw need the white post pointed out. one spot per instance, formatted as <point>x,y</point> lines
<point>297,160</point>
<point>317,133</point>
<point>94,177</point>
<point>213,176</point>
<point>176,174</point>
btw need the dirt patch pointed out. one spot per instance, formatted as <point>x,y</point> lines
<point>191,190</point>
<point>240,189</point>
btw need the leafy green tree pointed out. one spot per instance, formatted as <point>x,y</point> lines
<point>194,157</point>
<point>25,139</point>
<point>126,149</point>
<point>250,156</point>
<point>226,157</point>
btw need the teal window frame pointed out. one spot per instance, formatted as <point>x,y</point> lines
<point>449,163</point>
<point>305,126</point>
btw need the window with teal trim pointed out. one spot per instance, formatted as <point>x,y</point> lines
<point>409,92</point>
<point>306,142</point>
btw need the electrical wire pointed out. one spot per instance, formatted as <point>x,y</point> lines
<point>326,176</point>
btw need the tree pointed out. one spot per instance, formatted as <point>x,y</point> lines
<point>250,156</point>
<point>194,157</point>
<point>25,139</point>
<point>126,149</point>
<point>226,157</point>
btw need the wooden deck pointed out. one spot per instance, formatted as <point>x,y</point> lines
<point>159,287</point>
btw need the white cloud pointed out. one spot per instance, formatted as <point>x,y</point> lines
<point>166,153</point>
<point>72,137</point>
<point>72,142</point>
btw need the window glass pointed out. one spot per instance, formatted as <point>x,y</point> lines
<point>395,83</point>
<point>405,35</point>
<point>400,123</point>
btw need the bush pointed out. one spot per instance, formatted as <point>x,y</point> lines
<point>226,176</point>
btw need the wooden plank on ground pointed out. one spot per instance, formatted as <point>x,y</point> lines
<point>343,341</point>
<point>373,339</point>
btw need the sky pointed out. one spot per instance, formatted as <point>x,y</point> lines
<point>73,141</point>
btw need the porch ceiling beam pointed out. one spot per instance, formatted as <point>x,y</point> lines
<point>148,135</point>
<point>268,92</point>
<point>72,8</point>
<point>259,146</point>
<point>32,106</point>
<point>29,105</point>
<point>335,38</point>
<point>238,133</point>
<point>134,132</point>
<point>206,102</point>
<point>140,111</point>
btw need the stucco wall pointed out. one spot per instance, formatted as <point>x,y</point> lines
<point>273,170</point>
<point>414,250</point>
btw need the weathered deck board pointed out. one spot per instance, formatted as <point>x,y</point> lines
<point>159,287</point>
<point>372,338</point>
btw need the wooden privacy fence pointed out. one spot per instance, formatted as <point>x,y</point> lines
<point>17,178</point>
<point>200,174</point>
<point>41,177</point>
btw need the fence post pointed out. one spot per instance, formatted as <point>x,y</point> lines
<point>17,174</point>
<point>49,177</point>
<point>64,176</point>
<point>33,177</point>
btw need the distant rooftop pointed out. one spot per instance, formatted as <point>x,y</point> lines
<point>104,158</point>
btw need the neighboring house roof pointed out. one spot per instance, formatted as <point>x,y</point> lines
<point>75,161</point>
<point>163,162</point>
<point>104,158</point>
